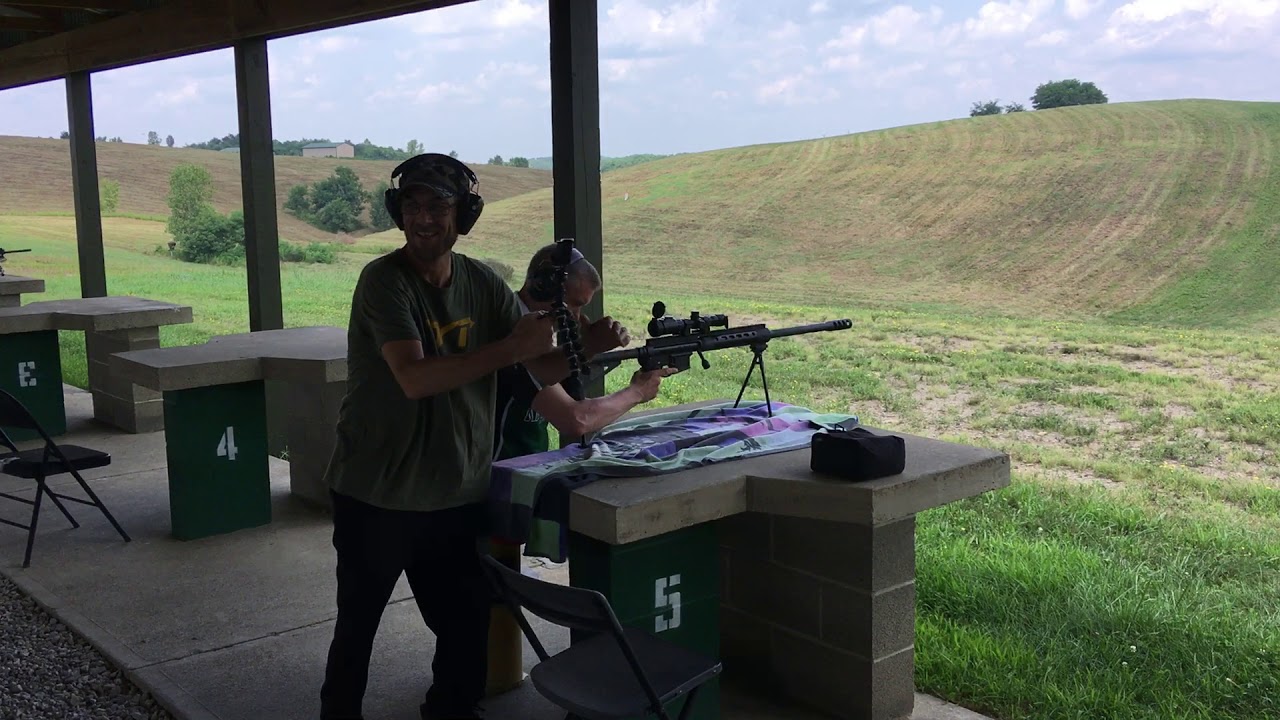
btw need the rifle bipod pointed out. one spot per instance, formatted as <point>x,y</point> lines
<point>757,350</point>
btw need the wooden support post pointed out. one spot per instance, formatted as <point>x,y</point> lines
<point>84,186</point>
<point>575,138</point>
<point>261,229</point>
<point>258,182</point>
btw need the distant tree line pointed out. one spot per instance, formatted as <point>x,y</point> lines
<point>1059,93</point>
<point>365,150</point>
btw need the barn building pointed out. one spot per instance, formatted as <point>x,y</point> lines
<point>342,149</point>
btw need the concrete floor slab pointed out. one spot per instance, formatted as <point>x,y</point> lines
<point>280,676</point>
<point>164,598</point>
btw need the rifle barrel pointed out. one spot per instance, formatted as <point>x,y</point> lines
<point>722,339</point>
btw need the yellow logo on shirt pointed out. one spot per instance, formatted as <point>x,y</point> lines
<point>461,326</point>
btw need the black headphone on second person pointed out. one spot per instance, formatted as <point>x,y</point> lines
<point>544,283</point>
<point>470,204</point>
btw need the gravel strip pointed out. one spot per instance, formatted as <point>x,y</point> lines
<point>48,672</point>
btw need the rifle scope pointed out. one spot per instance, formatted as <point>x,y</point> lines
<point>663,324</point>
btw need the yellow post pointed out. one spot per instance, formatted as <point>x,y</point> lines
<point>506,643</point>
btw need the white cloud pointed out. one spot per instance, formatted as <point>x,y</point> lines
<point>850,61</point>
<point>1080,9</point>
<point>903,24</point>
<point>619,69</point>
<point>473,17</point>
<point>634,23</point>
<point>1193,24</point>
<point>1049,39</point>
<point>1006,18</point>
<point>796,89</point>
<point>819,7</point>
<point>187,92</point>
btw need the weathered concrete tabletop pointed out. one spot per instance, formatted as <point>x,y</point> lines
<point>625,510</point>
<point>305,354</point>
<point>13,287</point>
<point>102,314</point>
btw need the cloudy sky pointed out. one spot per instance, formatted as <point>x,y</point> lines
<point>690,75</point>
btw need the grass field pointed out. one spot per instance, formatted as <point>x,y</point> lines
<point>1132,570</point>
<point>36,177</point>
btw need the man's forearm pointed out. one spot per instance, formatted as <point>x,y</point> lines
<point>550,368</point>
<point>429,376</point>
<point>600,412</point>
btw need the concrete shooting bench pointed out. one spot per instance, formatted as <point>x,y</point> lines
<point>802,584</point>
<point>13,287</point>
<point>215,420</point>
<point>31,364</point>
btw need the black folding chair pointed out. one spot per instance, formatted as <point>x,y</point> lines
<point>40,463</point>
<point>615,672</point>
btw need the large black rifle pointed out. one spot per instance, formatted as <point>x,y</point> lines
<point>3,258</point>
<point>673,342</point>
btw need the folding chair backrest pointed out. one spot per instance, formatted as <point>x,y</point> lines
<point>570,607</point>
<point>14,414</point>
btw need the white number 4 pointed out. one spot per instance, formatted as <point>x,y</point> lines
<point>665,597</point>
<point>227,446</point>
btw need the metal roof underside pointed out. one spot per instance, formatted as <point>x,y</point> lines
<point>42,40</point>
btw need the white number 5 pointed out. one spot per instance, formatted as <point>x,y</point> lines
<point>664,597</point>
<point>227,446</point>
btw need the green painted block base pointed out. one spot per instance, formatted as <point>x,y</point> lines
<point>31,370</point>
<point>668,585</point>
<point>216,443</point>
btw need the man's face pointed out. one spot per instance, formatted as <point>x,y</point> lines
<point>430,223</point>
<point>576,296</point>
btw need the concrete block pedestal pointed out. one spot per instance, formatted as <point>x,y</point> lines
<point>312,417</point>
<point>13,287</point>
<point>821,610</point>
<point>116,400</point>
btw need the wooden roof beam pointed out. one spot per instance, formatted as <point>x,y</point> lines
<point>183,28</point>
<point>112,5</point>
<point>31,24</point>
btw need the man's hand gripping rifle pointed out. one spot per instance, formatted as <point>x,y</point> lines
<point>673,342</point>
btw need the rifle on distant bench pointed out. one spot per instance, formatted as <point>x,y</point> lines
<point>672,342</point>
<point>3,258</point>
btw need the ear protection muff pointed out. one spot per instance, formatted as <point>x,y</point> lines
<point>542,285</point>
<point>469,203</point>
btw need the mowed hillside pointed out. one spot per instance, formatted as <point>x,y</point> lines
<point>35,176</point>
<point>1159,211</point>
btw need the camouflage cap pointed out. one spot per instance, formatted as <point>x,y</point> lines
<point>441,178</point>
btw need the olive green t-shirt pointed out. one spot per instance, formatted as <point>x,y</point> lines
<point>433,453</point>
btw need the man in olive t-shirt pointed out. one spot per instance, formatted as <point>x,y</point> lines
<point>428,330</point>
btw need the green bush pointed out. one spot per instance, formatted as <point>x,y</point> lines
<point>109,195</point>
<point>308,252</point>
<point>208,236</point>
<point>379,218</point>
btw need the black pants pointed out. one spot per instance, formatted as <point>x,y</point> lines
<point>438,553</point>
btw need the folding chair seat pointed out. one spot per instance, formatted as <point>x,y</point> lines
<point>41,463</point>
<point>615,672</point>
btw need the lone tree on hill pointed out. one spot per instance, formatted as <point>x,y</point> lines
<point>990,107</point>
<point>1062,93</point>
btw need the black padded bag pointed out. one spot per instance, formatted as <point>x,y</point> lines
<point>856,453</point>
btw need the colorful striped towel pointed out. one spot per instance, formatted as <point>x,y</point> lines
<point>529,495</point>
